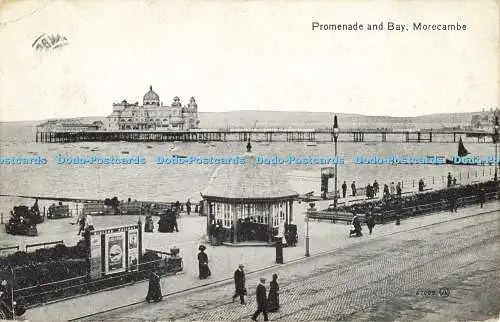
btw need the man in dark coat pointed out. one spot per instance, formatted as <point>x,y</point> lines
<point>188,207</point>
<point>449,179</point>
<point>239,284</point>
<point>399,190</point>
<point>344,189</point>
<point>353,188</point>
<point>375,187</point>
<point>261,300</point>
<point>452,200</point>
<point>370,222</point>
<point>482,197</point>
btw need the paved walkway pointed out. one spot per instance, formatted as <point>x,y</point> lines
<point>223,260</point>
<point>353,280</point>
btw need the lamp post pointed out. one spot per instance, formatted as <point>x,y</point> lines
<point>496,147</point>
<point>307,234</point>
<point>308,211</point>
<point>335,137</point>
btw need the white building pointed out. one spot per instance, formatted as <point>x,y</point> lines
<point>152,115</point>
<point>72,125</point>
<point>485,120</point>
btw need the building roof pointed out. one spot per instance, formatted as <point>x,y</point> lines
<point>151,95</point>
<point>249,181</point>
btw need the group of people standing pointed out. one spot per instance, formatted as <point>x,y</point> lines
<point>356,224</point>
<point>265,303</point>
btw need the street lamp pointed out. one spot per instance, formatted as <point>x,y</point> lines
<point>335,137</point>
<point>308,211</point>
<point>307,234</point>
<point>496,147</point>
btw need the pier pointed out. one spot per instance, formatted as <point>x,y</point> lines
<point>267,135</point>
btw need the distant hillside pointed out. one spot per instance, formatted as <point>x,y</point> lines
<point>275,119</point>
<point>271,119</point>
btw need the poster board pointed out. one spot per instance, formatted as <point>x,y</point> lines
<point>95,256</point>
<point>328,172</point>
<point>133,250</point>
<point>115,253</point>
<point>114,250</point>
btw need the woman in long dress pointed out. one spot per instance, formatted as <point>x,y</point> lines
<point>203,263</point>
<point>154,290</point>
<point>273,298</point>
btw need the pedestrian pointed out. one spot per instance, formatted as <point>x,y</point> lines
<point>386,190</point>
<point>421,185</point>
<point>81,224</point>
<point>370,222</point>
<point>449,180</point>
<point>344,189</point>
<point>188,207</point>
<point>177,206</point>
<point>367,192</point>
<point>353,188</point>
<point>261,300</point>
<point>273,299</point>
<point>392,188</point>
<point>482,197</point>
<point>375,187</point>
<point>454,181</point>
<point>204,270</point>
<point>357,226</point>
<point>174,221</point>
<point>399,190</point>
<point>452,200</point>
<point>154,289</point>
<point>239,284</point>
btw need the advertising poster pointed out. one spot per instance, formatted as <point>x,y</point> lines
<point>115,252</point>
<point>133,250</point>
<point>95,256</point>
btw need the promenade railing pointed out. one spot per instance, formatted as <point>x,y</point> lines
<point>44,293</point>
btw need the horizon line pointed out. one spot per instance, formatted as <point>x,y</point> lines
<point>259,110</point>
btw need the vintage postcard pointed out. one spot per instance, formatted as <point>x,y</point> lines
<point>237,160</point>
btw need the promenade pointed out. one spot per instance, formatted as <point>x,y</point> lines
<point>223,260</point>
<point>443,272</point>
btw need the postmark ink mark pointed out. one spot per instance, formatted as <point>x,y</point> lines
<point>49,42</point>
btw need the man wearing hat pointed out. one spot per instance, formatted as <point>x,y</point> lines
<point>261,300</point>
<point>239,284</point>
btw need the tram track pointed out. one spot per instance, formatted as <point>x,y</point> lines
<point>332,285</point>
<point>227,281</point>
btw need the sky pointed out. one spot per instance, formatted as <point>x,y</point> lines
<point>252,55</point>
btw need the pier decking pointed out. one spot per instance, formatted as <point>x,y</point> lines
<point>266,135</point>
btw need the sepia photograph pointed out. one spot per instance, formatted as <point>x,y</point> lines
<point>249,160</point>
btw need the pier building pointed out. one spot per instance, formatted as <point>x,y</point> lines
<point>73,125</point>
<point>152,115</point>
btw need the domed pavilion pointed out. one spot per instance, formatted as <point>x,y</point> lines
<point>151,98</point>
<point>250,201</point>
